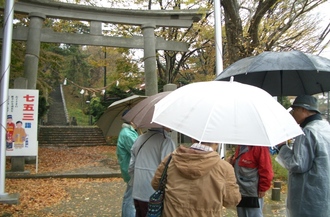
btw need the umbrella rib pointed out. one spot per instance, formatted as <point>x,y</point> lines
<point>281,80</point>
<point>263,80</point>
<point>301,81</point>
<point>206,124</point>
<point>321,87</point>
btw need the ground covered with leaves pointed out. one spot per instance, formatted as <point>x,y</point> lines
<point>65,159</point>
<point>75,197</point>
<point>49,196</point>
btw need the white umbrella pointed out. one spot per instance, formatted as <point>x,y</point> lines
<point>226,112</point>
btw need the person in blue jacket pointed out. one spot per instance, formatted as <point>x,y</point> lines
<point>308,162</point>
<point>126,139</point>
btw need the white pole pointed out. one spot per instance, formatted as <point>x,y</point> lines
<point>218,53</point>
<point>218,37</point>
<point>4,84</point>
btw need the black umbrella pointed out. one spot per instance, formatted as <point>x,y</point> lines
<point>289,73</point>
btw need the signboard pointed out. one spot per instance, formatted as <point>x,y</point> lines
<point>22,122</point>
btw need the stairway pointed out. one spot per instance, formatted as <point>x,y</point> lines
<point>57,131</point>
<point>57,113</point>
<point>70,136</point>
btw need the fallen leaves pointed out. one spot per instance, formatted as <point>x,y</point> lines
<point>82,197</point>
<point>61,159</point>
<point>37,194</point>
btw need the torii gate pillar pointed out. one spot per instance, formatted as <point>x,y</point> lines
<point>33,49</point>
<point>151,85</point>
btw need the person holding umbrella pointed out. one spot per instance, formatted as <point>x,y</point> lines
<point>308,162</point>
<point>126,139</point>
<point>199,182</point>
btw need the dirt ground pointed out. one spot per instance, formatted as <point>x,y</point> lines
<point>79,197</point>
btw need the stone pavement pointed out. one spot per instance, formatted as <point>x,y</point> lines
<point>94,199</point>
<point>105,200</point>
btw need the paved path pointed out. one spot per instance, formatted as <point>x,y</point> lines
<point>104,199</point>
<point>93,199</point>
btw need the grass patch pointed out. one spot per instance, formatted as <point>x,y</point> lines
<point>75,104</point>
<point>280,173</point>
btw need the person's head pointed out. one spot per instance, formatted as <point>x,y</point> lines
<point>303,107</point>
<point>9,118</point>
<point>19,124</point>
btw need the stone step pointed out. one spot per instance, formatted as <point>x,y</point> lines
<point>70,136</point>
<point>57,132</point>
<point>56,113</point>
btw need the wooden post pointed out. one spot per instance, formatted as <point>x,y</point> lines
<point>276,194</point>
<point>276,191</point>
<point>278,184</point>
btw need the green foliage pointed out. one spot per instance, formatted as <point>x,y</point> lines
<point>43,105</point>
<point>76,67</point>
<point>17,65</point>
<point>78,107</point>
<point>75,104</point>
<point>280,173</point>
<point>284,100</point>
<point>96,108</point>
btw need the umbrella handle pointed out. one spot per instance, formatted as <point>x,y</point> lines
<point>137,129</point>
<point>219,150</point>
<point>231,78</point>
<point>140,131</point>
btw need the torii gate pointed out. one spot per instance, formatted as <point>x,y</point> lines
<point>38,10</point>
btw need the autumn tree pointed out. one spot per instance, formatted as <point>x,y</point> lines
<point>252,27</point>
<point>249,28</point>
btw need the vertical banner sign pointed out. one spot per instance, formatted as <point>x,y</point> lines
<point>22,123</point>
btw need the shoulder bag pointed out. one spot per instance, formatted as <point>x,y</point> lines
<point>155,205</point>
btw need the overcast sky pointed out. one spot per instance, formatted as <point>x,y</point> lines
<point>324,10</point>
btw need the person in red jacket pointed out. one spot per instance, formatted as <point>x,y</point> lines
<point>254,173</point>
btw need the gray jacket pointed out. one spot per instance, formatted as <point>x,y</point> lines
<point>308,164</point>
<point>144,162</point>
